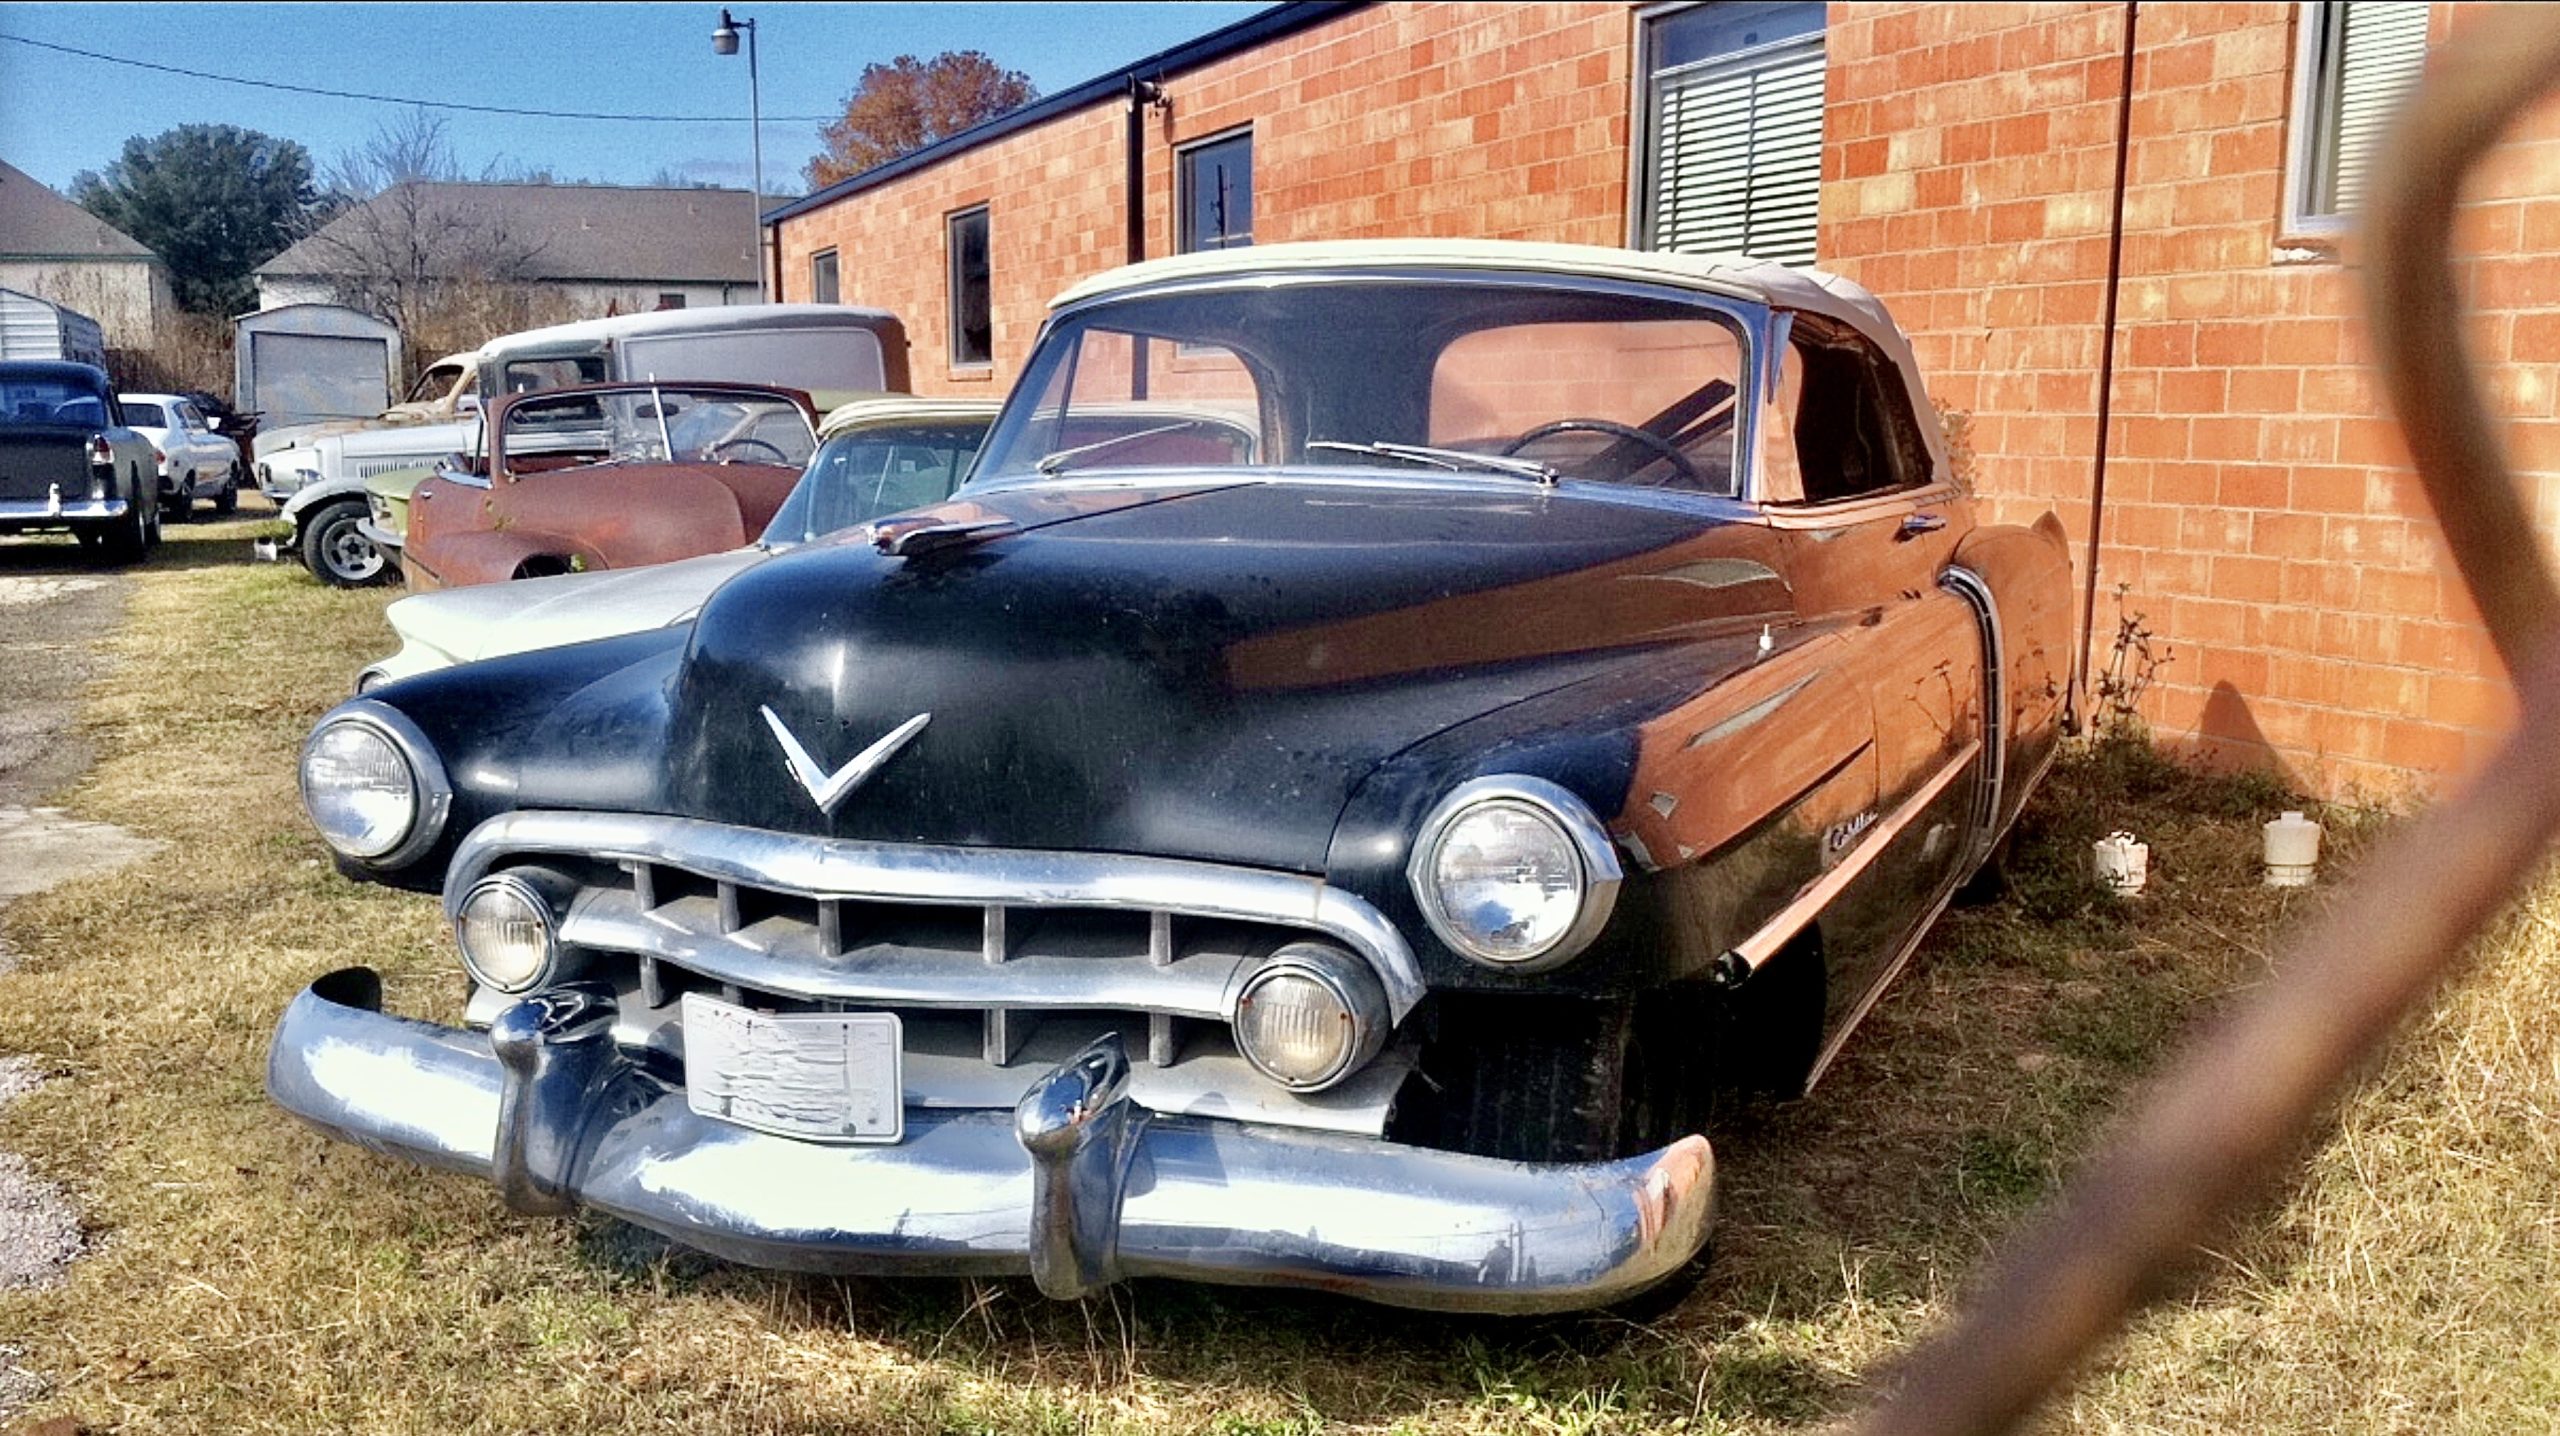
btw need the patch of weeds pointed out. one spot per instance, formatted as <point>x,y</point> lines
<point>2000,1169</point>
<point>1767,1384</point>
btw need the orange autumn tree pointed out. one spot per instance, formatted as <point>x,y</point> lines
<point>909,103</point>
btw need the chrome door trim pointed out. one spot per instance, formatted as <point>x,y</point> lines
<point>1993,783</point>
<point>1772,936</point>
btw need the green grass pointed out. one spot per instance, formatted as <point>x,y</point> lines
<point>249,1275</point>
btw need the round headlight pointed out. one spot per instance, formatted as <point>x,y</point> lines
<point>360,789</point>
<point>504,926</point>
<point>1514,873</point>
<point>1309,1017</point>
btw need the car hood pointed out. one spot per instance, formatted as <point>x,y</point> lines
<point>1201,670</point>
<point>490,619</point>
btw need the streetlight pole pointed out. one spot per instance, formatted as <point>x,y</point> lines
<point>724,41</point>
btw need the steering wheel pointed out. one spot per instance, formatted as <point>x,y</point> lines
<point>1615,430</point>
<point>721,450</point>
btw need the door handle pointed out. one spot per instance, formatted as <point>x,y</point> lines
<point>1914,525</point>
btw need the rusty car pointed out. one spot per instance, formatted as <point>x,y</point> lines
<point>1350,859</point>
<point>601,476</point>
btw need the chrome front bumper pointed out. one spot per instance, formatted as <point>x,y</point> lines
<point>1077,1186</point>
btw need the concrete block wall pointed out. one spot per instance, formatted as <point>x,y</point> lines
<point>1503,121</point>
<point>2259,510</point>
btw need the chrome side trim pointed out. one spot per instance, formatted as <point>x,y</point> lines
<point>921,873</point>
<point>1075,1186</point>
<point>1600,871</point>
<point>1992,789</point>
<point>435,789</point>
<point>1808,903</point>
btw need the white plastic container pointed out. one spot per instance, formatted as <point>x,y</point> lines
<point>2122,864</point>
<point>2293,851</point>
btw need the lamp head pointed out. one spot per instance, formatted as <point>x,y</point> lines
<point>724,41</point>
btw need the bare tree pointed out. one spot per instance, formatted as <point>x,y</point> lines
<point>416,244</point>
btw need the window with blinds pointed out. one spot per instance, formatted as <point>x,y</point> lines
<point>1733,130</point>
<point>2358,60</point>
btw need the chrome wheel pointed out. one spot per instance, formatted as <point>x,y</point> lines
<point>337,552</point>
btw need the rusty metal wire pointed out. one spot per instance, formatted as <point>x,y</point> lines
<point>2235,1108</point>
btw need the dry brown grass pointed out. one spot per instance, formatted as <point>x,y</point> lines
<point>252,1276</point>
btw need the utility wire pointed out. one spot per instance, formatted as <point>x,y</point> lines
<point>404,100</point>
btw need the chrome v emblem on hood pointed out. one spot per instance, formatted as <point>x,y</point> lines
<point>828,789</point>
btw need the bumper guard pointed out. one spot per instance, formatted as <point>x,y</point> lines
<point>1078,1186</point>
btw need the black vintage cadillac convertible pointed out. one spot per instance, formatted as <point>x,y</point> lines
<point>1343,860</point>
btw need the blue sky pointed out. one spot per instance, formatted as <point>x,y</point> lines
<point>60,115</point>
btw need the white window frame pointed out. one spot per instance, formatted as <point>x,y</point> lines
<point>2309,125</point>
<point>1641,156</point>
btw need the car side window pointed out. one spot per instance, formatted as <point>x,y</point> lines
<point>1844,428</point>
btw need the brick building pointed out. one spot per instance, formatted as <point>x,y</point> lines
<point>1963,162</point>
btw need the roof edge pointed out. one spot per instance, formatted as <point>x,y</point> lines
<point>1280,20</point>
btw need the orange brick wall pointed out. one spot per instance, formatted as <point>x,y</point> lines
<point>2258,508</point>
<point>1500,120</point>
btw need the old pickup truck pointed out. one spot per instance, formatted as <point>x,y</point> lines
<point>68,461</point>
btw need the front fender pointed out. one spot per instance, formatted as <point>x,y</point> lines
<point>494,555</point>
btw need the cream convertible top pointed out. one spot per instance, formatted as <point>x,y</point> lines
<point>1733,276</point>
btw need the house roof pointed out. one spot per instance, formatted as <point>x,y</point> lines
<point>1256,29</point>
<point>574,231</point>
<point>36,223</point>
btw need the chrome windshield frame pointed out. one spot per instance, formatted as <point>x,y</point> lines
<point>1756,325</point>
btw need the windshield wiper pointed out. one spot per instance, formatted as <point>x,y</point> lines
<point>1454,460</point>
<point>1054,464</point>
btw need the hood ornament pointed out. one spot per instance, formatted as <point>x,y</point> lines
<point>828,789</point>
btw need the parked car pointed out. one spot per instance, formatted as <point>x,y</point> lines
<point>192,461</point>
<point>609,476</point>
<point>1346,863</point>
<point>875,457</point>
<point>69,461</point>
<point>832,351</point>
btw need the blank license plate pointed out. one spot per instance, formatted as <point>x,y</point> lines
<point>822,1076</point>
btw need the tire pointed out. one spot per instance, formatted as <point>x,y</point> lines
<point>1990,882</point>
<point>179,505</point>
<point>127,539</point>
<point>227,502</point>
<point>335,552</point>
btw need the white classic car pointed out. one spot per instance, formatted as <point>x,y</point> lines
<point>194,462</point>
<point>877,456</point>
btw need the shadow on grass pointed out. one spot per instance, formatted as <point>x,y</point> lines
<point>1846,1219</point>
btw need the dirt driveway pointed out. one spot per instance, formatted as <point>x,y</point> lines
<point>52,610</point>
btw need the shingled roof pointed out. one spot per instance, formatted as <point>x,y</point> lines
<point>36,223</point>
<point>575,231</point>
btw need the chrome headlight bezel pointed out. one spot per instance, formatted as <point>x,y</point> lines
<point>1352,986</point>
<point>1597,860</point>
<point>430,788</point>
<point>545,914</point>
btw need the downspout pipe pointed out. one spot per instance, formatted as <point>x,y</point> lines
<point>1142,93</point>
<point>2076,717</point>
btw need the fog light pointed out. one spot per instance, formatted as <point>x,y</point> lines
<point>1309,1017</point>
<point>505,928</point>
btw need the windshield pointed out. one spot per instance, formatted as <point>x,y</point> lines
<point>823,360</point>
<point>434,384</point>
<point>46,400</point>
<point>862,475</point>
<point>656,424</point>
<point>1508,380</point>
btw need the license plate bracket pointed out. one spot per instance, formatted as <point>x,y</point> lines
<point>816,1076</point>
